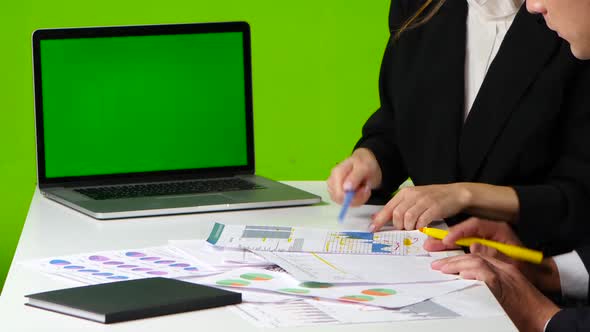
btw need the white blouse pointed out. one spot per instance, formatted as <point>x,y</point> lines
<point>487,24</point>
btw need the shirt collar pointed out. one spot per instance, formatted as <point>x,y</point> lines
<point>495,9</point>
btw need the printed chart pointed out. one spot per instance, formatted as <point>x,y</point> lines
<point>388,296</point>
<point>109,266</point>
<point>346,268</point>
<point>293,239</point>
<point>307,312</point>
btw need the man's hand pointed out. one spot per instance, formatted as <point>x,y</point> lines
<point>475,227</point>
<point>525,305</point>
<point>544,276</point>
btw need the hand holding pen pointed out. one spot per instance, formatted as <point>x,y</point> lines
<point>358,173</point>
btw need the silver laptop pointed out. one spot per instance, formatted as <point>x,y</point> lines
<point>149,120</point>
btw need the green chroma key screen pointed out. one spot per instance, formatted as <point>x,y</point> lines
<point>143,103</point>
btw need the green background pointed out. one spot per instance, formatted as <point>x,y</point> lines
<point>143,113</point>
<point>315,73</point>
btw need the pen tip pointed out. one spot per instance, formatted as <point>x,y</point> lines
<point>421,229</point>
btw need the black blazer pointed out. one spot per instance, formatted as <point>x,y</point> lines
<point>529,127</point>
<point>573,319</point>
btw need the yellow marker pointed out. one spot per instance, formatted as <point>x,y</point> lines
<point>512,251</point>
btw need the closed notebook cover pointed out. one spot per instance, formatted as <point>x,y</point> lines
<point>133,299</point>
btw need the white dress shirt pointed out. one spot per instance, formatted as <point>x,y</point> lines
<point>487,24</point>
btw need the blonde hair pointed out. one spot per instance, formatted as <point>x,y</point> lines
<point>420,17</point>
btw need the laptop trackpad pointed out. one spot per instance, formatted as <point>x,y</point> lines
<point>189,200</point>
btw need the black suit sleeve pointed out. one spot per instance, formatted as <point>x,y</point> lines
<point>584,253</point>
<point>554,210</point>
<point>570,319</point>
<point>379,132</point>
<point>573,319</point>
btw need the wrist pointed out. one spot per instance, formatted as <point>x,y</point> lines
<point>544,276</point>
<point>465,194</point>
<point>369,159</point>
<point>531,310</point>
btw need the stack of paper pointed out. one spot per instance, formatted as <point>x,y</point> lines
<point>291,276</point>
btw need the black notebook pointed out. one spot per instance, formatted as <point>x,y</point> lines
<point>132,299</point>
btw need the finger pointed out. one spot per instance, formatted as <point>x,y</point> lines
<point>439,263</point>
<point>399,212</point>
<point>413,213</point>
<point>432,244</point>
<point>336,180</point>
<point>500,264</point>
<point>362,195</point>
<point>384,216</point>
<point>486,275</point>
<point>472,227</point>
<point>432,213</point>
<point>358,175</point>
<point>472,262</point>
<point>478,248</point>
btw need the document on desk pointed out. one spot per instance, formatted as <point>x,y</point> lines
<point>298,239</point>
<point>116,265</point>
<point>346,268</point>
<point>380,295</point>
<point>317,312</point>
<point>219,257</point>
<point>307,312</point>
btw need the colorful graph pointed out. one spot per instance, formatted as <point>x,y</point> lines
<point>180,265</point>
<point>134,254</point>
<point>192,268</point>
<point>256,276</point>
<point>233,282</point>
<point>118,277</point>
<point>149,259</point>
<point>314,284</point>
<point>294,290</point>
<point>357,298</point>
<point>97,258</point>
<point>88,270</point>
<point>113,263</point>
<point>157,273</point>
<point>141,269</point>
<point>73,267</point>
<point>379,292</point>
<point>59,262</point>
<point>164,262</point>
<point>126,266</point>
<point>103,274</point>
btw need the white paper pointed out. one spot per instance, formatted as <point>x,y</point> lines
<point>307,312</point>
<point>116,265</point>
<point>339,268</point>
<point>218,257</point>
<point>381,295</point>
<point>293,239</point>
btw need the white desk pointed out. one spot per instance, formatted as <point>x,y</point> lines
<point>52,229</point>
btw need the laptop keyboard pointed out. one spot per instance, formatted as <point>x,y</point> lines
<point>168,188</point>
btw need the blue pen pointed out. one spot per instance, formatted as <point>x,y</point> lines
<point>347,200</point>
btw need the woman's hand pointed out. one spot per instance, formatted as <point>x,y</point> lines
<point>360,172</point>
<point>415,207</point>
<point>525,305</point>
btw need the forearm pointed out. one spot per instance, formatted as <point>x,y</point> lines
<point>489,201</point>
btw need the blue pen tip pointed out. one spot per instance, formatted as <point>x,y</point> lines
<point>345,205</point>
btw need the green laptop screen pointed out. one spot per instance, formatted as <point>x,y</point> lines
<point>143,103</point>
